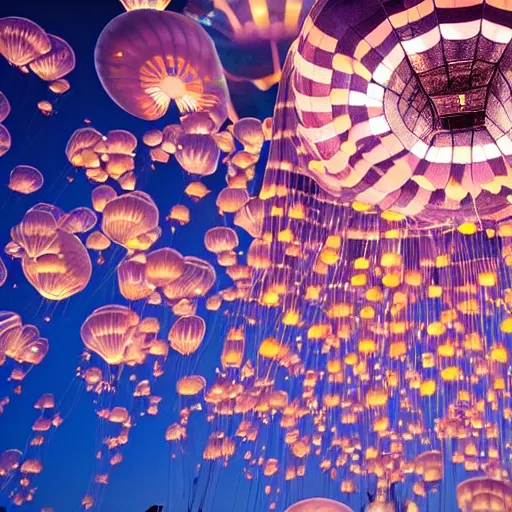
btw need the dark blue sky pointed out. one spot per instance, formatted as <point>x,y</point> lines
<point>68,459</point>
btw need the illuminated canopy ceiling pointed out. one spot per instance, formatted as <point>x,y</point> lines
<point>406,104</point>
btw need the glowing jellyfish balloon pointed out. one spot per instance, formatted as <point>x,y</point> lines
<point>146,59</point>
<point>45,401</point>
<point>32,466</point>
<point>97,241</point>
<point>480,494</point>
<point>170,135</point>
<point>81,144</point>
<point>196,190</point>
<point>5,140</point>
<point>45,107</point>
<point>59,86</point>
<point>198,123</point>
<point>101,195</point>
<point>220,239</point>
<point>318,505</point>
<point>158,5</point>
<point>109,331</point>
<point>190,385</point>
<point>197,279</point>
<point>198,154</point>
<point>79,220</point>
<point>25,179</point>
<point>430,466</point>
<point>164,266</point>
<point>56,63</point>
<point>179,213</point>
<point>35,234</point>
<point>5,107</point>
<point>10,329</point>
<point>3,272</point>
<point>131,277</point>
<point>62,271</point>
<point>230,200</point>
<point>121,339</point>
<point>117,142</point>
<point>261,29</point>
<point>187,333</point>
<point>9,461</point>
<point>22,40</point>
<point>153,138</point>
<point>249,132</point>
<point>26,346</point>
<point>251,216</point>
<point>131,220</point>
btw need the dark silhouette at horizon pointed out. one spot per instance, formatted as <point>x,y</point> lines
<point>154,508</point>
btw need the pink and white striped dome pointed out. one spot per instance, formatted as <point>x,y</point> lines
<point>404,105</point>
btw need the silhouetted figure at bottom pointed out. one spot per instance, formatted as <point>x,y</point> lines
<point>371,499</point>
<point>154,508</point>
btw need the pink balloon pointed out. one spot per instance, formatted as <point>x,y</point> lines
<point>146,59</point>
<point>319,505</point>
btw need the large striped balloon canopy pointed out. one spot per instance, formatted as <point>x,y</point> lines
<point>402,105</point>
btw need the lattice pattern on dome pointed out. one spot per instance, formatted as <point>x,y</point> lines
<point>402,104</point>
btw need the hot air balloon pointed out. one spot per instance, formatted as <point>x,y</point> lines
<point>45,107</point>
<point>22,40</point>
<point>5,107</point>
<point>480,493</point>
<point>79,220</point>
<point>219,240</point>
<point>56,63</point>
<point>25,179</point>
<point>197,279</point>
<point>101,195</point>
<point>262,30</point>
<point>5,140</point>
<point>36,233</point>
<point>62,271</point>
<point>164,266</point>
<point>143,76</point>
<point>131,220</point>
<point>159,5</point>
<point>59,86</point>
<point>3,272</point>
<point>132,280</point>
<point>109,331</point>
<point>416,172</point>
<point>9,461</point>
<point>197,154</point>
<point>190,385</point>
<point>187,333</point>
<point>318,505</point>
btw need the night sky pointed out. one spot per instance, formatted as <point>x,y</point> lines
<point>144,478</point>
